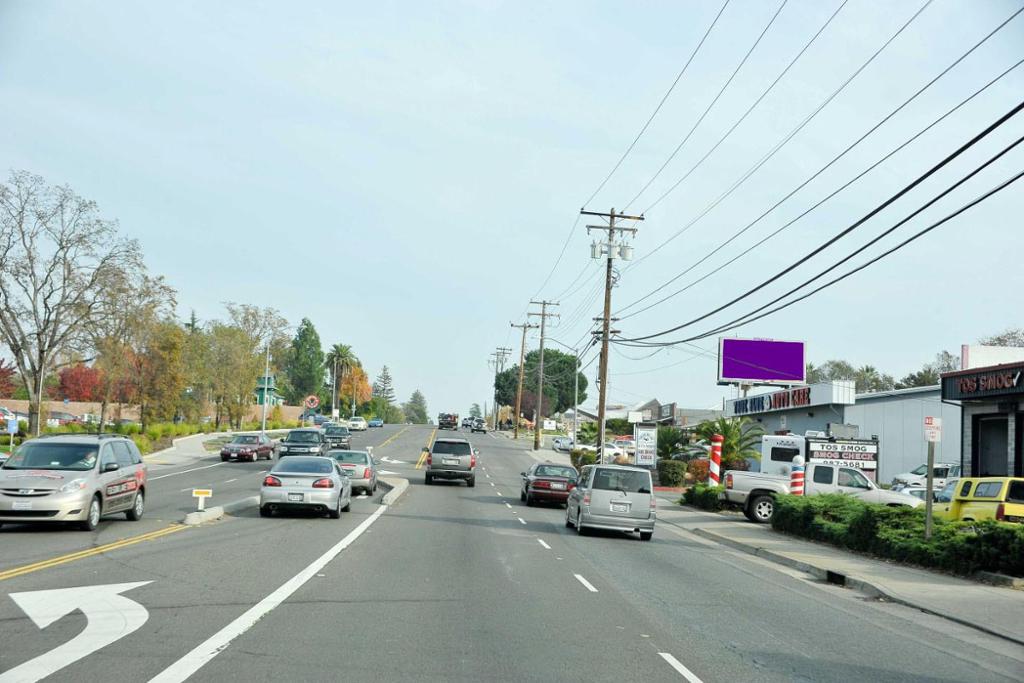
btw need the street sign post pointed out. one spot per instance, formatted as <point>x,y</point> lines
<point>932,434</point>
<point>201,495</point>
<point>12,429</point>
<point>646,439</point>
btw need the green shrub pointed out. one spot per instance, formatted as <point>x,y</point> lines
<point>897,533</point>
<point>143,442</point>
<point>671,472</point>
<point>704,497</point>
<point>581,458</point>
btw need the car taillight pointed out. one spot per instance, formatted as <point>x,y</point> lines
<point>271,481</point>
<point>325,483</point>
<point>366,473</point>
<point>586,498</point>
<point>728,481</point>
<point>472,461</point>
<point>430,459</point>
<point>570,486</point>
<point>1000,512</point>
<point>654,503</point>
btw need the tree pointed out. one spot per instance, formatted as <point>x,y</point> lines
<point>79,383</point>
<point>58,262</point>
<point>475,412</point>
<point>1013,336</point>
<point>341,357</point>
<point>6,379</point>
<point>742,438</point>
<point>866,378</point>
<point>305,368</point>
<point>588,433</point>
<point>671,440</point>
<point>559,388</point>
<point>415,409</point>
<point>160,372</point>
<point>383,386</point>
<point>235,366</point>
<point>356,385</point>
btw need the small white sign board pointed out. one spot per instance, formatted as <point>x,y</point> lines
<point>634,416</point>
<point>933,429</point>
<point>12,426</point>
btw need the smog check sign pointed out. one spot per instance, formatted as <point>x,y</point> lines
<point>858,454</point>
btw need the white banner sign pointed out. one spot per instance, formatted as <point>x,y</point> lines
<point>933,429</point>
<point>646,446</point>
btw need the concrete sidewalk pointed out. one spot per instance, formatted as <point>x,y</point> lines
<point>996,611</point>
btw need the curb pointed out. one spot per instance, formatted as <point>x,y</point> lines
<point>846,580</point>
<point>215,513</point>
<point>396,487</point>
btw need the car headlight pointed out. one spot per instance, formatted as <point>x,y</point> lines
<point>73,485</point>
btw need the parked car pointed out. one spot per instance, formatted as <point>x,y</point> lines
<point>304,441</point>
<point>375,423</point>
<point>915,491</point>
<point>547,482</point>
<point>306,483</point>
<point>947,492</point>
<point>319,420</point>
<point>251,447</point>
<point>612,497</point>
<point>338,436</point>
<point>451,459</point>
<point>360,467</point>
<point>6,414</point>
<point>626,443</point>
<point>562,444</point>
<point>478,426</point>
<point>755,491</point>
<point>73,478</point>
<point>980,498</point>
<point>357,424</point>
<point>611,450</point>
<point>919,475</point>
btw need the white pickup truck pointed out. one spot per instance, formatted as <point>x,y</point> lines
<point>755,491</point>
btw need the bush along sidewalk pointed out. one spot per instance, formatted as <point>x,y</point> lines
<point>671,473</point>
<point>704,497</point>
<point>897,533</point>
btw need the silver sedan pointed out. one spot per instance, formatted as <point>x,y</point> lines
<point>360,467</point>
<point>310,483</point>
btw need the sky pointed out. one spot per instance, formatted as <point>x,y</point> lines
<point>406,174</point>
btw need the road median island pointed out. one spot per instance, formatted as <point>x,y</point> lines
<point>218,511</point>
<point>396,486</point>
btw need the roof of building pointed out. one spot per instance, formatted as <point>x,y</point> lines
<point>869,395</point>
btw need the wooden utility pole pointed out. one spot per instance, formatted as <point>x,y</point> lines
<point>625,252</point>
<point>500,354</point>
<point>537,420</point>
<point>522,359</point>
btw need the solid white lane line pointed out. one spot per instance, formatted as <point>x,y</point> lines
<point>522,521</point>
<point>508,506</point>
<point>194,469</point>
<point>678,666</point>
<point>182,669</point>
<point>541,541</point>
<point>589,586</point>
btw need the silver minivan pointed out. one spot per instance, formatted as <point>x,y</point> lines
<point>613,497</point>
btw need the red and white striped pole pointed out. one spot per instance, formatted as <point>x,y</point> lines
<point>796,476</point>
<point>714,471</point>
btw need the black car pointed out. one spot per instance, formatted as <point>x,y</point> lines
<point>303,442</point>
<point>338,436</point>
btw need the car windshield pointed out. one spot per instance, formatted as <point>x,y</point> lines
<point>337,431</point>
<point>246,439</point>
<point>555,471</point>
<point>452,448</point>
<point>307,465</point>
<point>302,437</point>
<point>923,469</point>
<point>629,481</point>
<point>355,457</point>
<point>40,455</point>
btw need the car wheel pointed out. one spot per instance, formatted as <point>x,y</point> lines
<point>471,482</point>
<point>428,480</point>
<point>336,512</point>
<point>265,511</point>
<point>646,535</point>
<point>93,519</point>
<point>138,507</point>
<point>529,500</point>
<point>522,495</point>
<point>579,525</point>
<point>348,505</point>
<point>568,520</point>
<point>761,508</point>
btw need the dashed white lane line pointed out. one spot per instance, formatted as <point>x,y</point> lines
<point>541,541</point>
<point>230,480</point>
<point>678,666</point>
<point>589,586</point>
<point>499,493</point>
<point>488,476</point>
<point>492,483</point>
<point>522,521</point>
<point>508,506</point>
<point>194,469</point>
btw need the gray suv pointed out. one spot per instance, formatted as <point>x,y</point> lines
<point>73,478</point>
<point>451,459</point>
<point>612,497</point>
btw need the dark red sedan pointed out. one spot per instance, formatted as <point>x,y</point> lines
<point>547,483</point>
<point>248,447</point>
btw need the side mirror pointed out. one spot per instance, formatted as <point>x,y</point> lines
<point>111,467</point>
<point>522,474</point>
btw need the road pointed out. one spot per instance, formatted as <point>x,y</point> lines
<point>448,584</point>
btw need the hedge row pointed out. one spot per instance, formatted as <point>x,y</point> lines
<point>704,497</point>
<point>897,533</point>
<point>671,472</point>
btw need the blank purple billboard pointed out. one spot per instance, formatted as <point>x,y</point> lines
<point>760,361</point>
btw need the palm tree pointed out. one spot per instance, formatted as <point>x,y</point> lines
<point>339,359</point>
<point>742,437</point>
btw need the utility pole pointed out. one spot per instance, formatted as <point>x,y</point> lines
<point>500,354</point>
<point>266,382</point>
<point>544,315</point>
<point>522,359</point>
<point>334,391</point>
<point>611,248</point>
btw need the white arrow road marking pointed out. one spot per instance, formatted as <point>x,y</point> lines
<point>110,616</point>
<point>393,462</point>
<point>387,472</point>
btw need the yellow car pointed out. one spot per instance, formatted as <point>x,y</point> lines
<point>978,498</point>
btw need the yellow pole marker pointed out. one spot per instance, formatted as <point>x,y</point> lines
<point>201,495</point>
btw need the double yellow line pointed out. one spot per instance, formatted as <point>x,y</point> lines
<point>98,550</point>
<point>426,451</point>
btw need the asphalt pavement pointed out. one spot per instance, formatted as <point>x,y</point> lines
<point>448,584</point>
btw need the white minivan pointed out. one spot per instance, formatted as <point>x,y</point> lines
<point>612,497</point>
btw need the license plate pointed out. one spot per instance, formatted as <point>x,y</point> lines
<point>620,507</point>
<point>556,485</point>
<point>295,496</point>
<point>23,505</point>
<point>450,461</point>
